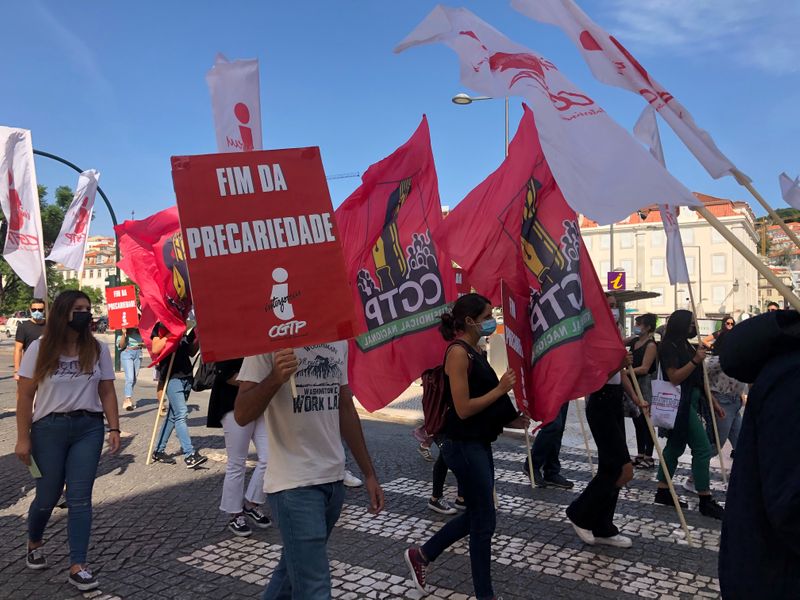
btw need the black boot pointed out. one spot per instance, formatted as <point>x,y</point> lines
<point>664,497</point>
<point>710,508</point>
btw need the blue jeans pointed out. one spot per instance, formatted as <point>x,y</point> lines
<point>131,361</point>
<point>305,517</point>
<point>66,449</point>
<point>729,426</point>
<point>178,391</point>
<point>473,465</point>
<point>547,445</point>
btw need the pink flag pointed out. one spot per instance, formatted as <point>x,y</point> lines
<point>236,103</point>
<point>19,197</point>
<point>602,171</point>
<point>646,131</point>
<point>70,246</point>
<point>612,64</point>
<point>515,232</point>
<point>401,281</point>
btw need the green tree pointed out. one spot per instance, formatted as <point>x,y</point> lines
<point>57,284</point>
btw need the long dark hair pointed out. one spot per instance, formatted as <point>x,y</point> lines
<point>54,339</point>
<point>678,326</point>
<point>469,305</point>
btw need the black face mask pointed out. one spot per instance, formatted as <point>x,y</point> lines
<point>80,321</point>
<point>692,332</point>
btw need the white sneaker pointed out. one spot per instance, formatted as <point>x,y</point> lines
<point>351,480</point>
<point>587,537</point>
<point>688,486</point>
<point>618,541</point>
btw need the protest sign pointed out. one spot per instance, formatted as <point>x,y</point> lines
<point>121,303</point>
<point>263,252</point>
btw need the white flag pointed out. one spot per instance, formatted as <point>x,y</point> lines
<point>236,103</point>
<point>646,131</point>
<point>601,170</point>
<point>19,198</point>
<point>70,247</point>
<point>611,63</point>
<point>790,190</point>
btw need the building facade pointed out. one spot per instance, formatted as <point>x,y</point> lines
<point>99,263</point>
<point>723,282</point>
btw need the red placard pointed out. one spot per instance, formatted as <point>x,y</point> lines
<point>121,303</point>
<point>263,252</point>
<point>518,345</point>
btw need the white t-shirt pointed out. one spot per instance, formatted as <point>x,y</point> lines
<point>68,388</point>
<point>305,444</point>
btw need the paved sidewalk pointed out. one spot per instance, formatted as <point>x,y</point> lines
<point>158,532</point>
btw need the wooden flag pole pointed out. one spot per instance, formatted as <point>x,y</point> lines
<point>585,436</point>
<point>708,391</point>
<point>749,256</point>
<point>661,460</point>
<point>744,181</point>
<point>158,412</point>
<point>530,457</point>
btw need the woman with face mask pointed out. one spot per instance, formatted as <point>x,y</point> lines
<point>66,385</point>
<point>683,366</point>
<point>479,409</point>
<point>645,354</point>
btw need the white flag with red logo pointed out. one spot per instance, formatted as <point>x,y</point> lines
<point>236,103</point>
<point>601,170</point>
<point>611,63</point>
<point>646,131</point>
<point>790,190</point>
<point>70,247</point>
<point>19,197</point>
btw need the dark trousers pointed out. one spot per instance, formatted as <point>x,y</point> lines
<point>473,466</point>
<point>547,445</point>
<point>594,508</point>
<point>439,474</point>
<point>644,441</point>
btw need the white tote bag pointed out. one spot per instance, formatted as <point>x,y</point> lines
<point>666,399</point>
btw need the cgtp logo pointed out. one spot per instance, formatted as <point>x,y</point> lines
<point>17,219</point>
<point>78,231</point>
<point>245,143</point>
<point>280,304</point>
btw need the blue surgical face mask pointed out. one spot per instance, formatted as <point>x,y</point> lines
<point>488,327</point>
<point>37,315</point>
<point>637,330</point>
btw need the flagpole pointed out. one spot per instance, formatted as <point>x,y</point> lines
<point>158,412</point>
<point>744,181</point>
<point>585,437</point>
<point>530,457</point>
<point>707,387</point>
<point>749,256</point>
<point>662,462</point>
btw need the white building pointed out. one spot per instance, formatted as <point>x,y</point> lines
<point>722,280</point>
<point>99,263</point>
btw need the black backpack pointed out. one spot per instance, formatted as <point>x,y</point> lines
<point>204,376</point>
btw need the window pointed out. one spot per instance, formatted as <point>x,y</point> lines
<point>718,264</point>
<point>658,239</point>
<point>605,241</point>
<point>690,263</point>
<point>657,267</point>
<point>627,266</point>
<point>91,274</point>
<point>660,300</point>
<point>716,237</point>
<point>626,240</point>
<point>718,294</point>
<point>605,267</point>
<point>687,235</point>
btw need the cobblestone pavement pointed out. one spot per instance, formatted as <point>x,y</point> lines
<point>158,533</point>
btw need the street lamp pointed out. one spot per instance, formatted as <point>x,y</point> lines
<point>463,99</point>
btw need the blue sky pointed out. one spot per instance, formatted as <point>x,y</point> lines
<point>120,87</point>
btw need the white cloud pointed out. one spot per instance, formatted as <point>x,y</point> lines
<point>761,34</point>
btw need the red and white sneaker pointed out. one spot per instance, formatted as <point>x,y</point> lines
<point>418,567</point>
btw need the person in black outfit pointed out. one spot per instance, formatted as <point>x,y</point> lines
<point>27,332</point>
<point>178,387</point>
<point>544,452</point>
<point>592,513</point>
<point>644,351</point>
<point>479,409</point>
<point>759,555</point>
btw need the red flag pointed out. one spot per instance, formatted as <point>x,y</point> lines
<point>153,257</point>
<point>401,282</point>
<point>516,227</point>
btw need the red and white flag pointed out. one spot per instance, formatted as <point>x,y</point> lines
<point>790,190</point>
<point>236,103</point>
<point>70,246</point>
<point>646,131</point>
<point>600,168</point>
<point>19,197</point>
<point>612,64</point>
